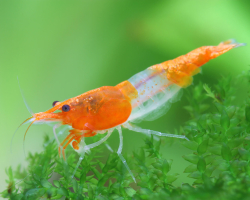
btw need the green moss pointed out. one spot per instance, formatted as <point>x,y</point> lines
<point>219,165</point>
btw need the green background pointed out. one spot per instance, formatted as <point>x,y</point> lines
<point>60,49</point>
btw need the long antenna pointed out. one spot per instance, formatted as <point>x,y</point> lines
<point>25,102</point>
<point>27,120</point>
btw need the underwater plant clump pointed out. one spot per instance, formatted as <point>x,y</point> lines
<point>219,138</point>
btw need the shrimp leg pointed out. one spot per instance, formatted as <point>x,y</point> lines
<point>88,147</point>
<point>54,131</point>
<point>109,147</point>
<point>149,132</point>
<point>60,148</point>
<point>64,147</point>
<point>120,151</point>
<point>82,154</point>
<point>74,133</point>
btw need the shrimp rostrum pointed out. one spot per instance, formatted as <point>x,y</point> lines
<point>145,96</point>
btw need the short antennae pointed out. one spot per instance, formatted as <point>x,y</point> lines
<point>25,102</point>
<point>27,120</point>
<point>25,135</point>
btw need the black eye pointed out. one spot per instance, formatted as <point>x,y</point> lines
<point>65,108</point>
<point>54,103</point>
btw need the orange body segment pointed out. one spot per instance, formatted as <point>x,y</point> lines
<point>180,70</point>
<point>128,90</point>
<point>97,109</point>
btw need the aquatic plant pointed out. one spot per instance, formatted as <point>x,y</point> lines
<point>219,163</point>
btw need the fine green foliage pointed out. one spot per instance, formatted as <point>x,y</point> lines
<point>219,139</point>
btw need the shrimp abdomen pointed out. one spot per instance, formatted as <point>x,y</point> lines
<point>159,85</point>
<point>181,69</point>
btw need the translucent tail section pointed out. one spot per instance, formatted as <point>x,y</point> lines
<point>232,42</point>
<point>155,95</point>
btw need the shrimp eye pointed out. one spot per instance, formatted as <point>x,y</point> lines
<point>65,108</point>
<point>54,103</point>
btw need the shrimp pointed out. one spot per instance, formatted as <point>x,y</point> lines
<point>145,96</point>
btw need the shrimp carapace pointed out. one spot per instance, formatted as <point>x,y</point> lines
<point>145,96</point>
<point>97,109</point>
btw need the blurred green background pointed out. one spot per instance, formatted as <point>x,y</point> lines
<point>60,49</point>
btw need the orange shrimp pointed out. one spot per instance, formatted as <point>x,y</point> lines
<point>145,96</point>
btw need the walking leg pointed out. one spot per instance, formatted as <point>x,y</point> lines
<point>149,132</point>
<point>120,155</point>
